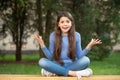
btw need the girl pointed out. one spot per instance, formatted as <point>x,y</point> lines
<point>65,56</point>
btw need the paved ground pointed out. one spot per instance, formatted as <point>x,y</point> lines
<point>38,77</point>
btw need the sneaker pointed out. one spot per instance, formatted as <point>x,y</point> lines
<point>47,73</point>
<point>85,73</point>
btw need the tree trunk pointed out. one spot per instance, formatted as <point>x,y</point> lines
<point>18,52</point>
<point>48,26</point>
<point>18,46</point>
<point>19,33</point>
<point>40,27</point>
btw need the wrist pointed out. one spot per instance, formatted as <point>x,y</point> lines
<point>42,46</point>
<point>89,46</point>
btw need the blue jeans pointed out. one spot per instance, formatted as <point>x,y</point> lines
<point>55,67</point>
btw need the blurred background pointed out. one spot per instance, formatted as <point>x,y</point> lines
<point>20,19</point>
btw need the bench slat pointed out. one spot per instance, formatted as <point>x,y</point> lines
<point>38,77</point>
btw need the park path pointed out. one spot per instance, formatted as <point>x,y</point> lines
<point>38,77</point>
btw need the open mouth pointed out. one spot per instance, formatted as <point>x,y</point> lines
<point>65,27</point>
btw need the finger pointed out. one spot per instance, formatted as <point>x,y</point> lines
<point>34,36</point>
<point>40,37</point>
<point>96,40</point>
<point>99,42</point>
<point>37,38</point>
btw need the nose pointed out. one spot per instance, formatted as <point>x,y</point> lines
<point>65,23</point>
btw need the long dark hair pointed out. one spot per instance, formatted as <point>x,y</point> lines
<point>58,39</point>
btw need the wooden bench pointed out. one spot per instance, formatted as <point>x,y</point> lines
<point>38,77</point>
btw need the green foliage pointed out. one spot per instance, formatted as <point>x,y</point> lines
<point>21,3</point>
<point>52,5</point>
<point>97,19</point>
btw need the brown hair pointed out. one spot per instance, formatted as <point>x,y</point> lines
<point>58,39</point>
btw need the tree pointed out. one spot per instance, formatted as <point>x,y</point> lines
<point>51,7</point>
<point>17,32</point>
<point>45,11</point>
<point>39,21</point>
<point>15,18</point>
<point>97,19</point>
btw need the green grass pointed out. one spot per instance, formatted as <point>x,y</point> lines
<point>29,65</point>
<point>25,57</point>
<point>19,69</point>
<point>109,66</point>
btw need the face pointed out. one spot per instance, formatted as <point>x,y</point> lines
<point>65,24</point>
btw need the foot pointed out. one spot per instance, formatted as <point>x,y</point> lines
<point>85,73</point>
<point>47,73</point>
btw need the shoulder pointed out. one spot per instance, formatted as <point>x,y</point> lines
<point>52,35</point>
<point>77,36</point>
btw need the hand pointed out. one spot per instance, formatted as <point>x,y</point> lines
<point>39,40</point>
<point>94,42</point>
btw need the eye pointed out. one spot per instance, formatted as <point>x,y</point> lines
<point>68,21</point>
<point>62,22</point>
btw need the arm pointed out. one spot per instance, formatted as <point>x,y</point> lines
<point>39,40</point>
<point>47,52</point>
<point>93,42</point>
<point>79,51</point>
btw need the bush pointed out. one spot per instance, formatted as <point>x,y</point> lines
<point>97,19</point>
